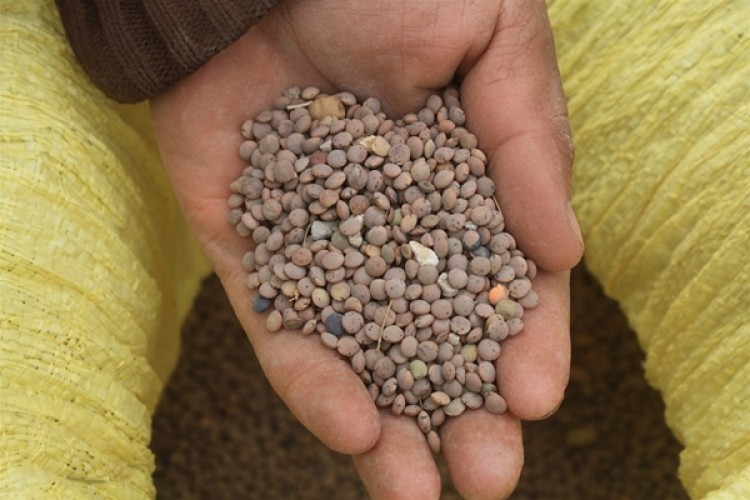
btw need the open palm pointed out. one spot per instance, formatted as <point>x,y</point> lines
<point>502,55</point>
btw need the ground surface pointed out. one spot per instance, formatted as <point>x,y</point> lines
<point>221,433</point>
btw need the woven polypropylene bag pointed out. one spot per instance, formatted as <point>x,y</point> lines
<point>96,271</point>
<point>97,268</point>
<point>659,96</point>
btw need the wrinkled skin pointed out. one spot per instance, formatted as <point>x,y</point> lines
<point>502,55</point>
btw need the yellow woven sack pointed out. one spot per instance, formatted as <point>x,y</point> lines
<point>660,100</point>
<point>659,95</point>
<point>96,271</point>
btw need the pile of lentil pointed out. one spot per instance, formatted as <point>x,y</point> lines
<point>384,237</point>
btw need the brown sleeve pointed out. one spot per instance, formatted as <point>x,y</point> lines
<point>133,49</point>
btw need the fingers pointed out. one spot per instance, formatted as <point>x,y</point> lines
<point>515,105</point>
<point>320,390</point>
<point>484,453</point>
<point>401,464</point>
<point>316,384</point>
<point>534,365</point>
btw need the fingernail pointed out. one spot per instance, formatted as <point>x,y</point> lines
<point>553,411</point>
<point>573,223</point>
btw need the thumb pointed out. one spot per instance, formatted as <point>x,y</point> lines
<point>515,105</point>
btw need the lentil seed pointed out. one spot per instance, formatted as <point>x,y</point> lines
<point>383,235</point>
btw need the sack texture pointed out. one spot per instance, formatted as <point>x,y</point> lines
<point>97,270</point>
<point>659,96</point>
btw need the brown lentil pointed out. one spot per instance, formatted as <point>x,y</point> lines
<point>384,236</point>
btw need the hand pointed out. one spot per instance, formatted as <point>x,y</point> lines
<point>502,54</point>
